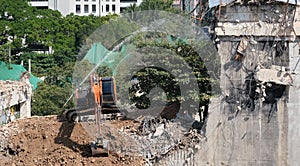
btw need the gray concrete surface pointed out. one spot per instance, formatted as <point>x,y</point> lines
<point>293,110</point>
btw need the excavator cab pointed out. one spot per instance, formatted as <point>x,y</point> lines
<point>109,97</point>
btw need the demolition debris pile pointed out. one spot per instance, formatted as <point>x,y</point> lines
<point>50,139</point>
<point>154,138</point>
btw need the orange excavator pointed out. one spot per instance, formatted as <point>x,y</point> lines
<point>97,100</point>
<point>101,92</point>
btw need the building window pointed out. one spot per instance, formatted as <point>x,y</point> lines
<point>107,0</point>
<point>77,0</point>
<point>77,8</point>
<point>107,8</point>
<point>94,8</point>
<point>114,0</point>
<point>86,0</point>
<point>122,9</point>
<point>113,8</point>
<point>94,0</point>
<point>102,9</point>
<point>86,8</point>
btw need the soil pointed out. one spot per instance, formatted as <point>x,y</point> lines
<point>51,140</point>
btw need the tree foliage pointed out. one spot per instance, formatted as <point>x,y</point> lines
<point>49,99</point>
<point>25,29</point>
<point>149,78</point>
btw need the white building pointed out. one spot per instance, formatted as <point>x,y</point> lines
<point>85,7</point>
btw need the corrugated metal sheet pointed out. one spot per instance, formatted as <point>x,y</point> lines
<point>213,3</point>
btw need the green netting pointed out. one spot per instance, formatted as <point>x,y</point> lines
<point>15,72</point>
<point>98,54</point>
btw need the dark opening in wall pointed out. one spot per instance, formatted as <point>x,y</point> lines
<point>273,92</point>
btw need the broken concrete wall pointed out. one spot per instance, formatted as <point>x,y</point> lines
<point>245,139</point>
<point>250,123</point>
<point>273,19</point>
<point>13,93</point>
<point>241,79</point>
<point>246,126</point>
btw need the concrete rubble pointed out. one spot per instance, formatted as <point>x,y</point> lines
<point>151,138</point>
<point>5,133</point>
<point>15,93</point>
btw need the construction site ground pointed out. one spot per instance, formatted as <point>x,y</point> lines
<point>51,140</point>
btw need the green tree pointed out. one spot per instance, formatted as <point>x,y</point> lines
<point>132,8</point>
<point>150,78</point>
<point>49,99</point>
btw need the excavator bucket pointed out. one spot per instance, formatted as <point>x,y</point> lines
<point>99,149</point>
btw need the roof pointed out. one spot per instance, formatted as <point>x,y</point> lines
<point>213,3</point>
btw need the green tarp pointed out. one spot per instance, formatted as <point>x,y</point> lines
<point>98,54</point>
<point>15,72</point>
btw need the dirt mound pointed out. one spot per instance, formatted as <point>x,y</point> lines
<point>52,141</point>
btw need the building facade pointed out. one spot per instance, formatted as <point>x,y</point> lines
<point>258,113</point>
<point>85,7</point>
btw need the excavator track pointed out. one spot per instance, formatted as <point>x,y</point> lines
<point>87,114</point>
